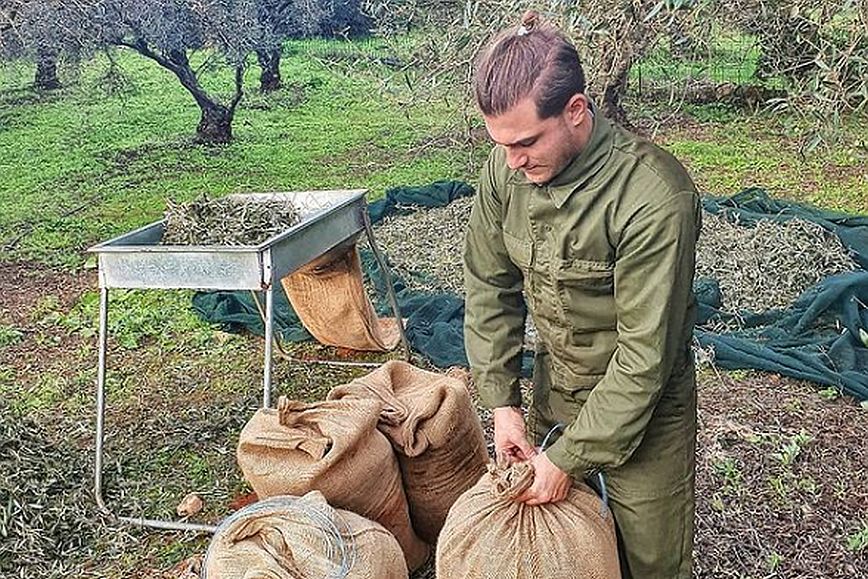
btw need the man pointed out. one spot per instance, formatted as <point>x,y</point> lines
<point>593,231</point>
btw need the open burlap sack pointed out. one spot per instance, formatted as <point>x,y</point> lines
<point>333,447</point>
<point>300,537</point>
<point>435,431</point>
<point>329,297</point>
<point>487,534</point>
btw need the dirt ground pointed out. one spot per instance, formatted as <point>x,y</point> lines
<point>782,471</point>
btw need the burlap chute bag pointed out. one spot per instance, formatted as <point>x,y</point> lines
<point>487,534</point>
<point>302,537</point>
<point>329,297</point>
<point>432,424</point>
<point>333,447</point>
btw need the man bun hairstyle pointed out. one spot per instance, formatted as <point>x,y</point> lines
<point>533,60</point>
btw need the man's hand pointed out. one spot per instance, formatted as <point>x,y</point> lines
<point>510,437</point>
<point>550,484</point>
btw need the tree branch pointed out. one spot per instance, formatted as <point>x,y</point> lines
<point>239,86</point>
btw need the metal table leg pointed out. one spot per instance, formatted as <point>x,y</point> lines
<point>100,396</point>
<point>269,342</point>
<point>100,436</point>
<point>390,290</point>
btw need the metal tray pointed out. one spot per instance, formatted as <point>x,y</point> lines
<point>138,260</point>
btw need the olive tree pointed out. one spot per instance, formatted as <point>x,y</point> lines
<point>37,30</point>
<point>169,32</point>
<point>818,49</point>
<point>283,19</point>
<point>611,35</point>
<point>279,20</point>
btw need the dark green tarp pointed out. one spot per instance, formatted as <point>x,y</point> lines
<point>816,339</point>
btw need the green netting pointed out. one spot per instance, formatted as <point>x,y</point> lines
<point>817,338</point>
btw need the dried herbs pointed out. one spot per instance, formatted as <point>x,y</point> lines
<point>232,220</point>
<point>425,246</point>
<point>768,265</point>
<point>759,267</point>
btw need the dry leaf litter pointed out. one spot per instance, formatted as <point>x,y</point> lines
<point>759,267</point>
<point>233,220</point>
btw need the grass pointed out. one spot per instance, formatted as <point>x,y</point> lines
<point>83,166</point>
<point>858,541</point>
<point>731,58</point>
<point>729,154</point>
<point>100,165</point>
<point>139,315</point>
<point>9,335</point>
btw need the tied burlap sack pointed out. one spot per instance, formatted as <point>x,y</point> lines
<point>329,297</point>
<point>488,535</point>
<point>435,431</point>
<point>333,447</point>
<point>302,537</point>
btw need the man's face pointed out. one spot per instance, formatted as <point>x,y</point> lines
<point>539,148</point>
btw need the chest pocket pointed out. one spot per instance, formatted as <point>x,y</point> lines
<point>586,295</point>
<point>519,250</point>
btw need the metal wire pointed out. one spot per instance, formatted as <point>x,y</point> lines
<point>338,539</point>
<point>604,493</point>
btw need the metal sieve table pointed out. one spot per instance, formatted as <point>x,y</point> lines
<point>137,260</point>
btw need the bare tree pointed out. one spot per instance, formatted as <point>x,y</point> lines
<point>169,32</point>
<point>37,30</point>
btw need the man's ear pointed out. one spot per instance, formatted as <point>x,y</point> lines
<point>576,109</point>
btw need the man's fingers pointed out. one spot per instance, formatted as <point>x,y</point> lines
<point>526,449</point>
<point>506,455</point>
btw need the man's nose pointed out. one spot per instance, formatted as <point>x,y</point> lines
<point>515,159</point>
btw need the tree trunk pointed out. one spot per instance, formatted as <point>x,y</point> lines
<point>269,61</point>
<point>46,71</point>
<point>612,107</point>
<point>215,124</point>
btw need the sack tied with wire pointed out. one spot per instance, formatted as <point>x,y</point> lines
<point>289,537</point>
<point>489,534</point>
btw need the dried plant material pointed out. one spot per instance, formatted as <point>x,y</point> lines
<point>768,265</point>
<point>425,246</point>
<point>189,505</point>
<point>759,267</point>
<point>233,220</point>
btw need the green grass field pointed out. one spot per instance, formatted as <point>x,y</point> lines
<point>80,166</point>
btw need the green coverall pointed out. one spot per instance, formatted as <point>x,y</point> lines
<point>603,259</point>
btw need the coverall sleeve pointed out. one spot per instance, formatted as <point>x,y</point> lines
<point>654,267</point>
<point>494,308</point>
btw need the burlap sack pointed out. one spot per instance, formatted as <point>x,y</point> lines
<point>432,424</point>
<point>333,447</point>
<point>329,297</point>
<point>291,538</point>
<point>487,534</point>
